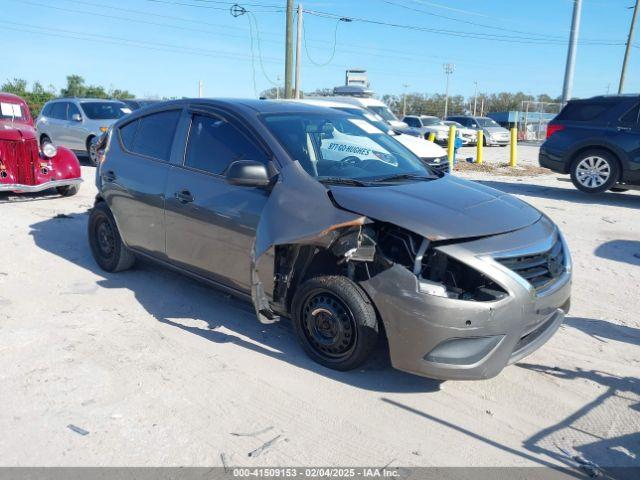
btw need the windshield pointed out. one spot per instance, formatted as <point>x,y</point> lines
<point>105,110</point>
<point>13,111</point>
<point>486,122</point>
<point>335,147</point>
<point>384,112</point>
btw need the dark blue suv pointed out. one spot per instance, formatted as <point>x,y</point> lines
<point>597,142</point>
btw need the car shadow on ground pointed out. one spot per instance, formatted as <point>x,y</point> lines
<point>602,330</point>
<point>176,300</point>
<point>614,452</point>
<point>624,251</point>
<point>571,194</point>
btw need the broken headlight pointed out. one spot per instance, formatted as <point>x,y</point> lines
<point>444,276</point>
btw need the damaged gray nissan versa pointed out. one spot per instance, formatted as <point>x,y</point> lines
<point>317,216</point>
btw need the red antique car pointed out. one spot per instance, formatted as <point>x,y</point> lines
<point>23,166</point>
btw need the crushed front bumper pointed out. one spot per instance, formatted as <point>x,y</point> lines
<point>17,187</point>
<point>467,340</point>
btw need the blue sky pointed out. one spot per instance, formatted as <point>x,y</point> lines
<point>163,47</point>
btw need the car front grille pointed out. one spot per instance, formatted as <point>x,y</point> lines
<point>441,166</point>
<point>542,269</point>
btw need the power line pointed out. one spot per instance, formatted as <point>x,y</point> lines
<point>542,40</point>
<point>333,52</point>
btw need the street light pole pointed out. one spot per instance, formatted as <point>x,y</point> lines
<point>628,49</point>
<point>404,100</point>
<point>448,70</point>
<point>475,99</point>
<point>571,54</point>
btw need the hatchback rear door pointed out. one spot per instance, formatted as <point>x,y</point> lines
<point>210,223</point>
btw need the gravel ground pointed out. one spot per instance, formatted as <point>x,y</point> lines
<point>160,370</point>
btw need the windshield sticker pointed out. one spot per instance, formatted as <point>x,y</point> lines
<point>364,125</point>
<point>341,147</point>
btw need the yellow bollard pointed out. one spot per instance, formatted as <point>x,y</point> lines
<point>514,147</point>
<point>432,137</point>
<point>479,146</point>
<point>451,148</point>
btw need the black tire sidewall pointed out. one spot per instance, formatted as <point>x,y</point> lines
<point>102,213</point>
<point>357,303</point>
<point>613,165</point>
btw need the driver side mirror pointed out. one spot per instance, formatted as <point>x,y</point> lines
<point>76,117</point>
<point>247,173</point>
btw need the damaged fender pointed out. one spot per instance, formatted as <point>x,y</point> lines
<point>299,211</point>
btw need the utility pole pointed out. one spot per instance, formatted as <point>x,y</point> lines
<point>475,99</point>
<point>288,55</point>
<point>628,49</point>
<point>199,88</point>
<point>298,51</point>
<point>404,100</point>
<point>448,70</point>
<point>571,54</point>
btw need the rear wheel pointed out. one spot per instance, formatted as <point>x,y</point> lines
<point>69,190</point>
<point>335,322</point>
<point>594,171</point>
<point>106,244</point>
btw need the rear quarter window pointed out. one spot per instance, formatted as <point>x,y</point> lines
<point>585,111</point>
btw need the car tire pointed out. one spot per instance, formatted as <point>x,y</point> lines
<point>108,250</point>
<point>594,171</point>
<point>335,322</point>
<point>68,191</point>
<point>485,142</point>
<point>618,189</point>
<point>91,150</point>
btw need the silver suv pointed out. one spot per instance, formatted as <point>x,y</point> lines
<point>76,122</point>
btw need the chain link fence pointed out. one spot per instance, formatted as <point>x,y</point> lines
<point>534,118</point>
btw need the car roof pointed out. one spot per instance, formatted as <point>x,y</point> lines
<point>11,97</point>
<point>83,99</point>
<point>326,103</point>
<point>257,105</point>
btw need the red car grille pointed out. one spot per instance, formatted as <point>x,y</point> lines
<point>19,159</point>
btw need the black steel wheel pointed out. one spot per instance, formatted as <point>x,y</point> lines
<point>335,322</point>
<point>104,239</point>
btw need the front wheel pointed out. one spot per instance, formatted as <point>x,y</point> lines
<point>92,150</point>
<point>594,171</point>
<point>107,246</point>
<point>335,322</point>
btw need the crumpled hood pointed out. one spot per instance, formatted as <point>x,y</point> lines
<point>16,131</point>
<point>443,209</point>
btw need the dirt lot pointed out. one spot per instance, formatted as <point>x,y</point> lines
<point>160,370</point>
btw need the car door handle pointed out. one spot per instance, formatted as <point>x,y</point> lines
<point>184,196</point>
<point>109,176</point>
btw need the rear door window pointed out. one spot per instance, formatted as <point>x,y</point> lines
<point>584,111</point>
<point>214,143</point>
<point>151,135</point>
